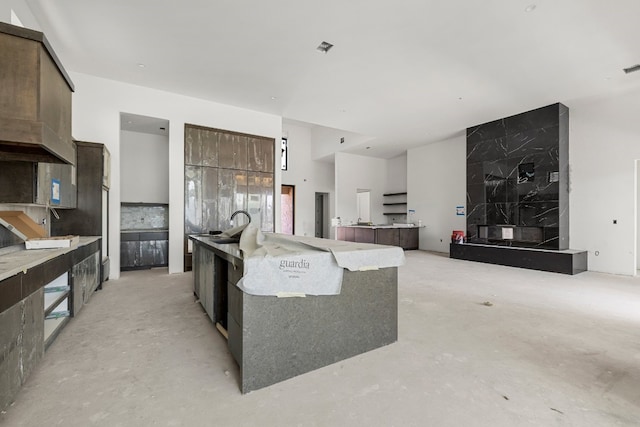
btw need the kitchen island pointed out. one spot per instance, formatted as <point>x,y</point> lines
<point>279,336</point>
<point>404,235</point>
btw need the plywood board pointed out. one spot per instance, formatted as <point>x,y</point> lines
<point>21,225</point>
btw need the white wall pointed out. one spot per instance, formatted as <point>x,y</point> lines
<point>21,10</point>
<point>97,104</point>
<point>309,176</point>
<point>353,173</point>
<point>397,174</point>
<point>144,167</point>
<point>604,143</point>
<point>326,141</point>
<point>436,184</point>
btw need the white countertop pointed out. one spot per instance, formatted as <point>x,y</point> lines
<point>17,258</point>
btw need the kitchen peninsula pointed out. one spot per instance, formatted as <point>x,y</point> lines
<point>278,327</point>
<point>404,235</point>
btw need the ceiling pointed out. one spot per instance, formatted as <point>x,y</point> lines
<point>401,74</point>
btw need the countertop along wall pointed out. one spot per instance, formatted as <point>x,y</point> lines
<point>97,104</point>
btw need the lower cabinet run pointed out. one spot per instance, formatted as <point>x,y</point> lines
<point>405,237</point>
<point>37,300</point>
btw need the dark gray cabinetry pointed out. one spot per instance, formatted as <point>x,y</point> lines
<point>139,250</point>
<point>87,218</point>
<point>36,303</point>
<point>24,182</point>
<point>85,280</point>
<point>90,217</point>
<point>35,99</point>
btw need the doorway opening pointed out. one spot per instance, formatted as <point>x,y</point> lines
<point>322,215</point>
<point>287,206</point>
<point>144,192</point>
<point>364,205</point>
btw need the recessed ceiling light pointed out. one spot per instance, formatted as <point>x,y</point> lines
<point>141,65</point>
<point>632,69</point>
<point>273,98</point>
<point>530,8</point>
<point>324,47</point>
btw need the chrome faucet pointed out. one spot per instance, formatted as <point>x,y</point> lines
<point>233,215</point>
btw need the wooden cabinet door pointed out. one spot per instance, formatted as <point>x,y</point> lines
<point>365,235</point>
<point>409,238</point>
<point>387,236</point>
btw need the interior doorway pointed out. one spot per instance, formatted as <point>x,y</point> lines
<point>287,206</point>
<point>144,192</point>
<point>322,215</point>
<point>364,205</point>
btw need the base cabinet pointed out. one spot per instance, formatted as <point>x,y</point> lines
<point>405,237</point>
<point>144,250</point>
<point>36,304</point>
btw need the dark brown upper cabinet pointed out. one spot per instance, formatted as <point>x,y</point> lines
<point>35,99</point>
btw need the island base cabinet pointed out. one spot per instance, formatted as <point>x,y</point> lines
<point>285,337</point>
<point>273,339</point>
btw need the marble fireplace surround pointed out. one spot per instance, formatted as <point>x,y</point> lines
<point>518,180</point>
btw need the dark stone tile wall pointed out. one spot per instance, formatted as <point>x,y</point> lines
<point>518,175</point>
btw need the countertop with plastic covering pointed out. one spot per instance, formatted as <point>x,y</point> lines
<point>284,265</point>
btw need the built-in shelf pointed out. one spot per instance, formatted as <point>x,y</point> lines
<point>56,306</point>
<point>399,200</point>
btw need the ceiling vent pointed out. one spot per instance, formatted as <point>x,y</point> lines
<point>324,47</point>
<point>632,69</point>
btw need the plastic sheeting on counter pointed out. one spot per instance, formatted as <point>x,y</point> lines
<point>282,265</point>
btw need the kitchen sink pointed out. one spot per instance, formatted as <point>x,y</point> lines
<point>223,239</point>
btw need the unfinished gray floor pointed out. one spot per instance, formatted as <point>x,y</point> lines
<point>546,350</point>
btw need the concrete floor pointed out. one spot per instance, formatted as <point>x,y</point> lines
<point>546,350</point>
